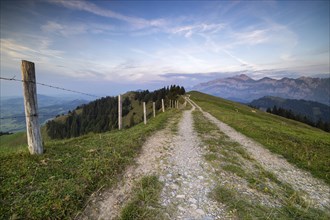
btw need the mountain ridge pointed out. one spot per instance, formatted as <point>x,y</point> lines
<point>244,88</point>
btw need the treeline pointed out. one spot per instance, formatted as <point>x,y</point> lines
<point>167,93</point>
<point>304,119</point>
<point>102,114</point>
<point>5,133</point>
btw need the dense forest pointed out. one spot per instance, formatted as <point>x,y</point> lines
<point>102,114</point>
<point>314,111</point>
<point>291,115</point>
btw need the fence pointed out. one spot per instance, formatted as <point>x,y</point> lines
<point>31,106</point>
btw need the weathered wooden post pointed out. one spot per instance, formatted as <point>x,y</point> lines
<point>120,122</point>
<point>163,106</point>
<point>31,108</point>
<point>154,108</point>
<point>144,113</point>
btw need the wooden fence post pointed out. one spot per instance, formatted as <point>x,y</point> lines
<point>144,113</point>
<point>154,108</point>
<point>120,122</point>
<point>163,106</point>
<point>31,108</point>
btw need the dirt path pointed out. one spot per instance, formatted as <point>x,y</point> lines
<point>177,159</point>
<point>107,205</point>
<point>187,179</point>
<point>315,191</point>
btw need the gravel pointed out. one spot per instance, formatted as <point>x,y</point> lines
<point>188,181</point>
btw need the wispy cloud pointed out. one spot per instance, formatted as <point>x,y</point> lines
<point>137,22</point>
<point>189,30</point>
<point>76,28</point>
<point>65,30</point>
<point>17,50</point>
<point>252,37</point>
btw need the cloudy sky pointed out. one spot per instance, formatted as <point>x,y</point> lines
<point>109,47</point>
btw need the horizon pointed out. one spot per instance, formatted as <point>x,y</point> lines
<point>89,98</point>
<point>107,48</point>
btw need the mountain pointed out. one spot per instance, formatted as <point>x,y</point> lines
<point>13,115</point>
<point>245,89</point>
<point>312,110</point>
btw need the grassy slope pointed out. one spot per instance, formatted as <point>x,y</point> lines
<point>58,183</point>
<point>300,144</point>
<point>236,172</point>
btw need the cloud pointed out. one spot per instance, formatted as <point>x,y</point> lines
<point>64,30</point>
<point>189,30</point>
<point>70,29</point>
<point>252,37</point>
<point>94,9</point>
<point>17,50</point>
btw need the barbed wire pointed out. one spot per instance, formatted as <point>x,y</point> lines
<point>47,85</point>
<point>24,116</point>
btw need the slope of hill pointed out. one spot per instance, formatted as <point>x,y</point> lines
<point>12,110</point>
<point>300,144</point>
<point>58,183</point>
<point>102,114</point>
<point>244,89</point>
<point>312,110</point>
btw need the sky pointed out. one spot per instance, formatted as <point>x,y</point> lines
<point>110,47</point>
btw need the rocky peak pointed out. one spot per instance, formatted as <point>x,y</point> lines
<point>242,77</point>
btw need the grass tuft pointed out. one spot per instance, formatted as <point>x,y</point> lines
<point>144,202</point>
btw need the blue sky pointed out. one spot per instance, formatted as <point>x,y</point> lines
<point>109,47</point>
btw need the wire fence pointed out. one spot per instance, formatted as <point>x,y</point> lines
<point>50,86</point>
<point>46,85</point>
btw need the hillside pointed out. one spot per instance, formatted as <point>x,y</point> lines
<point>59,182</point>
<point>245,89</point>
<point>184,164</point>
<point>102,114</point>
<point>313,110</point>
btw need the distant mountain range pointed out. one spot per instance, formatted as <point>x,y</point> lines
<point>312,110</point>
<point>244,89</point>
<point>13,115</point>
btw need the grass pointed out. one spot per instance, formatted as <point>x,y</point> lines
<point>57,184</point>
<point>305,146</point>
<point>144,202</point>
<point>230,157</point>
<point>12,142</point>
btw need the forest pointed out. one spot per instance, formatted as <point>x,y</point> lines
<point>301,118</point>
<point>102,114</point>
